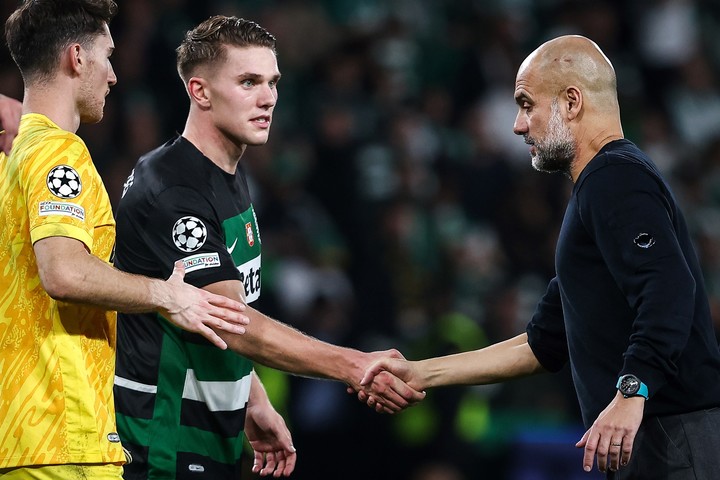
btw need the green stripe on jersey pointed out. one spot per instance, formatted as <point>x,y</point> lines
<point>242,236</point>
<point>217,365</point>
<point>165,435</point>
<point>190,439</point>
<point>134,430</point>
<point>197,441</point>
<point>242,239</point>
<point>171,381</point>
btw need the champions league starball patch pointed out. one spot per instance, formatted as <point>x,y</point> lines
<point>63,181</point>
<point>189,234</point>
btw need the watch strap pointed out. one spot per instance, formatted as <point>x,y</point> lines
<point>642,390</point>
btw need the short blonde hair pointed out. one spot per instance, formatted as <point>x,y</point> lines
<point>205,44</point>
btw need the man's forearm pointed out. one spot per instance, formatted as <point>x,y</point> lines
<point>69,273</point>
<point>277,345</point>
<point>502,361</point>
<point>280,346</point>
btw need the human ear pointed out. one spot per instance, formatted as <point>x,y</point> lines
<point>198,91</point>
<point>75,57</point>
<point>573,102</point>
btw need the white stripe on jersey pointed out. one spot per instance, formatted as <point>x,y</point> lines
<point>137,386</point>
<point>218,396</point>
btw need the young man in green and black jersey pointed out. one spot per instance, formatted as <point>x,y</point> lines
<point>182,404</point>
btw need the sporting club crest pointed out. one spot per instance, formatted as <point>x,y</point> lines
<point>249,233</point>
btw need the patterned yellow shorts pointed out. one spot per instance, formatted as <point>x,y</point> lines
<point>64,472</point>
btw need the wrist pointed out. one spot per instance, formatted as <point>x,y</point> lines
<point>258,396</point>
<point>351,365</point>
<point>361,362</point>
<point>159,295</point>
<point>629,400</point>
<point>430,374</point>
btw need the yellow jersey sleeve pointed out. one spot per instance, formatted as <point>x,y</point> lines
<point>60,184</point>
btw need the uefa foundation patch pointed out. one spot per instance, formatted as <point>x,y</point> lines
<point>201,261</point>
<point>61,208</point>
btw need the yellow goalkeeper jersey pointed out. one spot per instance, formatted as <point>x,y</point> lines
<point>57,360</point>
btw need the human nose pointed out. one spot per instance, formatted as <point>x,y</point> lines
<point>112,79</point>
<point>520,125</point>
<point>268,97</point>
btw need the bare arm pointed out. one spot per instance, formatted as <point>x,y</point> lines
<point>69,273</point>
<point>277,345</point>
<point>502,361</point>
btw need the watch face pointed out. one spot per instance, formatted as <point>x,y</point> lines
<point>629,385</point>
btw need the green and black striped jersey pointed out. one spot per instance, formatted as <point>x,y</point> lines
<point>180,400</point>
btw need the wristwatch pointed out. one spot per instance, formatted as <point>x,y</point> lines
<point>631,386</point>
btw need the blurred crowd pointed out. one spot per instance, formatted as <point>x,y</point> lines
<point>397,208</point>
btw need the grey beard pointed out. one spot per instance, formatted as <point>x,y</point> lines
<point>557,157</point>
<point>555,153</point>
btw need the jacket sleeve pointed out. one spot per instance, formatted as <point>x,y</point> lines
<point>546,330</point>
<point>630,215</point>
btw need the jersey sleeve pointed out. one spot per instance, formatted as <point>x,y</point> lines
<point>630,216</point>
<point>184,226</point>
<point>61,188</point>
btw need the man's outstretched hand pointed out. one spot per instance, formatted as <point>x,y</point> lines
<point>384,386</point>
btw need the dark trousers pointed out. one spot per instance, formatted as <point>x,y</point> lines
<point>675,447</point>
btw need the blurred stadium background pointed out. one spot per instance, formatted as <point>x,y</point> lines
<point>398,209</point>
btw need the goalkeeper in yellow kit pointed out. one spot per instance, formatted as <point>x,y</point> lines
<point>58,291</point>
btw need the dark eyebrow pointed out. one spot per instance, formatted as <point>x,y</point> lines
<point>256,77</point>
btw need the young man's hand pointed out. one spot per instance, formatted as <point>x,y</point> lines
<point>199,311</point>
